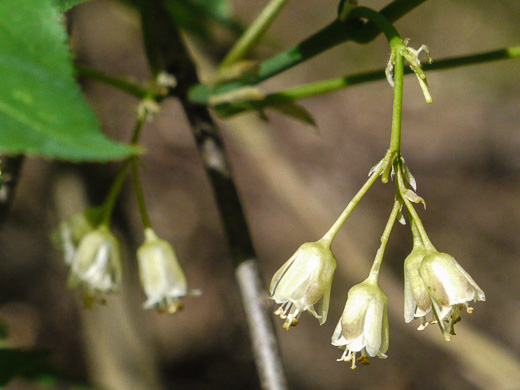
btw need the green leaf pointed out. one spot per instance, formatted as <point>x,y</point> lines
<point>42,109</point>
<point>295,111</point>
<point>65,5</point>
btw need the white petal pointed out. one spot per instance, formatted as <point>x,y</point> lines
<point>357,344</point>
<point>480,296</point>
<point>374,325</point>
<point>281,272</point>
<point>441,311</point>
<point>385,336</point>
<point>323,306</point>
<point>446,283</point>
<point>337,337</point>
<point>409,300</point>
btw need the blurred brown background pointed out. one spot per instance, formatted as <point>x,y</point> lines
<point>462,149</point>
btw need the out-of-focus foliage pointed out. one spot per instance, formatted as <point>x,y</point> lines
<point>197,16</point>
<point>16,362</point>
<point>42,109</point>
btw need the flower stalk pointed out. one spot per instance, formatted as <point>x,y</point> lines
<point>376,265</point>
<point>139,195</point>
<point>331,233</point>
<point>413,213</point>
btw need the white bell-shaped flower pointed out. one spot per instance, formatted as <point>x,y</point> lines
<point>363,326</point>
<point>450,287</point>
<point>303,281</point>
<point>161,274</point>
<point>96,265</point>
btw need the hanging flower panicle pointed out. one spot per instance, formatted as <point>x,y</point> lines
<point>304,280</point>
<point>363,326</point>
<point>161,274</point>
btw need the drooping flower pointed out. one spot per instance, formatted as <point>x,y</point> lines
<point>161,274</point>
<point>304,280</point>
<point>451,289</point>
<point>96,265</point>
<point>363,326</point>
<point>438,284</point>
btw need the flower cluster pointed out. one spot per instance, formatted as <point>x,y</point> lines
<point>94,256</point>
<point>436,287</point>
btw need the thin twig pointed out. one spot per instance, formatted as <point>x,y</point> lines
<point>322,87</point>
<point>168,50</point>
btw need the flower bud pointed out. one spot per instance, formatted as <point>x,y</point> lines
<point>304,280</point>
<point>161,274</point>
<point>363,326</point>
<point>96,265</point>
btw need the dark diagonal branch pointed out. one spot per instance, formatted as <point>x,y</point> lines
<point>166,51</point>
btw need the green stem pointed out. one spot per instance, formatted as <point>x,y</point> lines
<point>335,84</point>
<point>335,33</point>
<point>129,87</point>
<point>395,140</point>
<point>378,19</point>
<point>329,236</point>
<point>376,265</point>
<point>139,195</point>
<point>417,240</point>
<point>113,194</point>
<point>115,190</point>
<point>413,214</point>
<point>253,34</point>
<point>331,35</point>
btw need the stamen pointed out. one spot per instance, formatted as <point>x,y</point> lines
<point>289,322</point>
<point>174,306</point>
<point>424,324</point>
<point>363,360</point>
<point>343,357</point>
<point>353,357</point>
